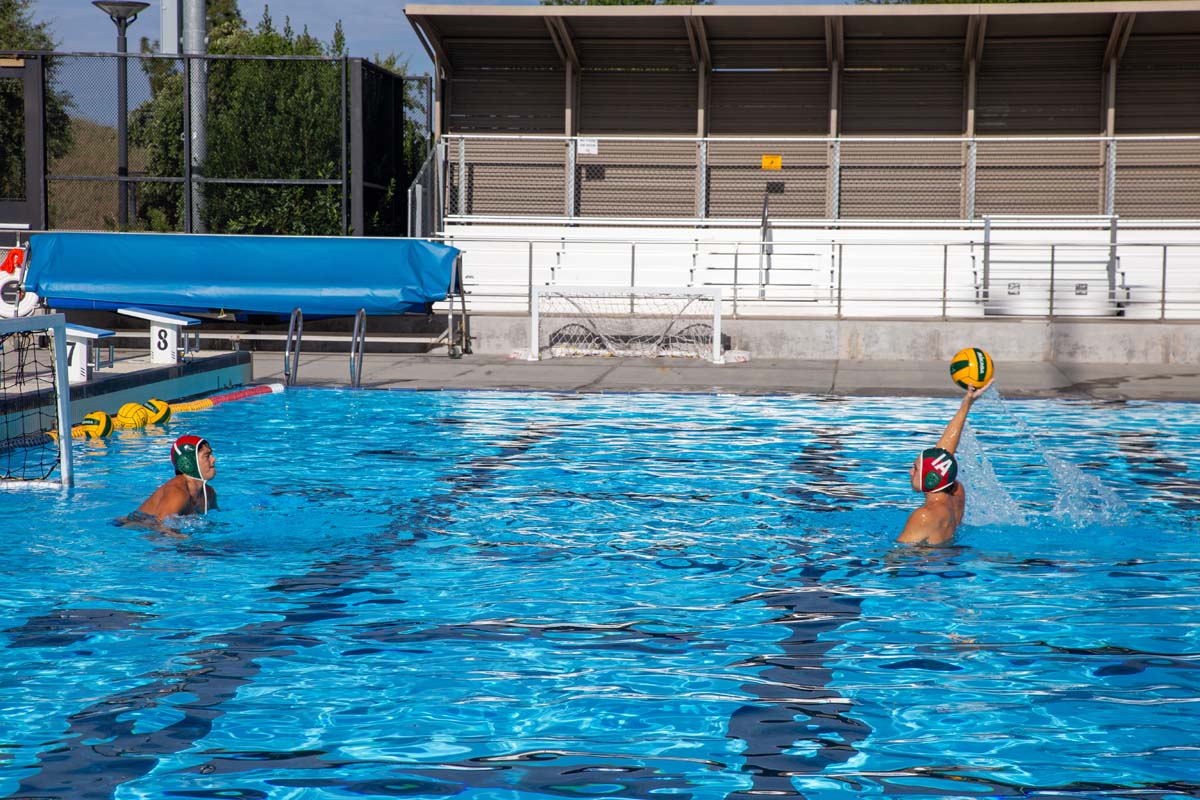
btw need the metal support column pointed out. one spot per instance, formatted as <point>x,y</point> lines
<point>987,257</point>
<point>572,178</point>
<point>1112,258</point>
<point>1110,177</point>
<point>835,179</point>
<point>462,176</point>
<point>972,162</point>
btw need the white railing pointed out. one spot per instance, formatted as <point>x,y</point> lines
<point>947,273</point>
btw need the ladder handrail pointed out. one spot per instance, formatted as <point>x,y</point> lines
<point>357,344</point>
<point>291,351</point>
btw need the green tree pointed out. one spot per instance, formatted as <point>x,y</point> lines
<point>266,119</point>
<point>19,32</point>
<point>274,119</point>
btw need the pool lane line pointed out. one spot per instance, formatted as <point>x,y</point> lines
<point>829,489</point>
<point>918,781</point>
<point>606,775</point>
<point>218,671</point>
<point>84,771</point>
<point>71,625</point>
<point>1152,468</point>
<point>622,637</point>
<point>797,725</point>
<point>238,665</point>
<point>94,758</point>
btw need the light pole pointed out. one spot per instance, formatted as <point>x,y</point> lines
<point>122,14</point>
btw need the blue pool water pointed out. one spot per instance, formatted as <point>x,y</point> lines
<point>495,595</point>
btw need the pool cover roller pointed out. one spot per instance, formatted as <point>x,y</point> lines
<point>331,276</point>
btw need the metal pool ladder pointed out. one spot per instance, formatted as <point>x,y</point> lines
<point>357,343</point>
<point>291,351</point>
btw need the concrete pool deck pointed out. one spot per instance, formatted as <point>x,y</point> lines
<point>824,377</point>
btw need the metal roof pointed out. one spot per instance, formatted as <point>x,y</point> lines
<point>658,37</point>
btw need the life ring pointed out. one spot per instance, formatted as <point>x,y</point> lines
<point>14,300</point>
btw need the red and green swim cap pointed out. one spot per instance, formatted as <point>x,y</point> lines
<point>938,469</point>
<point>184,455</point>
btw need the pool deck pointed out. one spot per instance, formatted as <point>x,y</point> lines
<point>822,377</point>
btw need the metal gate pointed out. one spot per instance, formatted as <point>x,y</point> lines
<point>22,146</point>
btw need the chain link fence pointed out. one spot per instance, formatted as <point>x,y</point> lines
<point>220,144</point>
<point>820,178</point>
<point>12,143</point>
<point>424,199</point>
<point>260,141</point>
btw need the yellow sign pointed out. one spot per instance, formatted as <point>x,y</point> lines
<point>772,162</point>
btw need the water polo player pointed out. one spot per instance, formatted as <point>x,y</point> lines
<point>935,474</point>
<point>188,492</point>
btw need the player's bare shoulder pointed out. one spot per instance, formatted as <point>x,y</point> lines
<point>924,526</point>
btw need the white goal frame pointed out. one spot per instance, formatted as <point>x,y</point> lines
<point>712,293</point>
<point>56,326</point>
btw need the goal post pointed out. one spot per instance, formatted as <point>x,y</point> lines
<point>35,402</point>
<point>625,321</point>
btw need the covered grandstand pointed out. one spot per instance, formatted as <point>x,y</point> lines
<point>933,111</point>
<point>824,161</point>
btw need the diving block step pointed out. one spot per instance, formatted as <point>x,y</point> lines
<point>165,334</point>
<point>80,352</point>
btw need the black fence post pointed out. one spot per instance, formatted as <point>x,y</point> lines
<point>345,167</point>
<point>35,179</point>
<point>187,143</point>
<point>26,202</point>
<point>357,161</point>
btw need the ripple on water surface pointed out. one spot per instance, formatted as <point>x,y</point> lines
<point>615,595</point>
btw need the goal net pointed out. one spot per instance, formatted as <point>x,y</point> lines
<point>625,321</point>
<point>34,402</point>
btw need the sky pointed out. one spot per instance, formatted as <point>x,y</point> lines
<point>371,26</point>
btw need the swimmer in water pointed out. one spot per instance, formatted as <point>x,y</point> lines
<point>935,473</point>
<point>185,494</point>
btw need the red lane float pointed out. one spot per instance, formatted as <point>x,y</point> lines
<point>240,394</point>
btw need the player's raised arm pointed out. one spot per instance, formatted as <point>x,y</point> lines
<point>954,428</point>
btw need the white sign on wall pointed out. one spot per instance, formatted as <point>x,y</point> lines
<point>587,146</point>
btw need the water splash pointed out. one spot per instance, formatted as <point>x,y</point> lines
<point>988,503</point>
<point>1079,498</point>
<point>1083,499</point>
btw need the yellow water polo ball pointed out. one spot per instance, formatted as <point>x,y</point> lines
<point>159,411</point>
<point>971,367</point>
<point>132,415</point>
<point>95,425</point>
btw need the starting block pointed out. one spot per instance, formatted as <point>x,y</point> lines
<point>167,337</point>
<point>82,354</point>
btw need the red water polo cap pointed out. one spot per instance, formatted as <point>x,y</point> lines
<point>938,469</point>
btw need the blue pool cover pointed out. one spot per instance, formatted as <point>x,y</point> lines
<point>255,274</point>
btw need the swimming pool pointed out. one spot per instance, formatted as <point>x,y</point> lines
<point>501,595</point>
